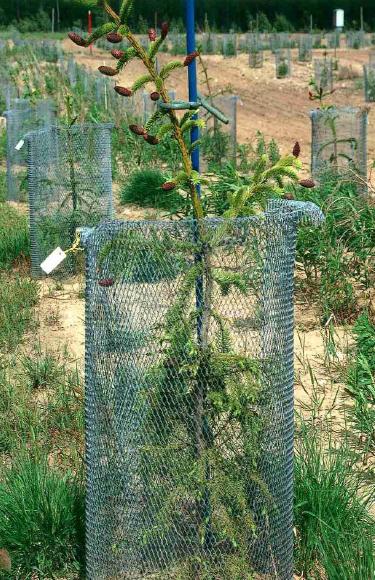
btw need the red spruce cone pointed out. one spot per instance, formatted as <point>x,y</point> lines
<point>296,149</point>
<point>311,96</point>
<point>137,129</point>
<point>155,96</point>
<point>164,30</point>
<point>114,37</point>
<point>152,34</point>
<point>151,139</point>
<point>106,282</point>
<point>168,185</point>
<point>288,196</point>
<point>5,561</point>
<point>190,58</point>
<point>123,91</point>
<point>117,53</point>
<point>107,71</point>
<point>309,183</point>
<point>77,39</point>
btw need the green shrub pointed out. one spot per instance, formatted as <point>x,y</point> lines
<point>334,529</point>
<point>14,236</point>
<point>41,519</point>
<point>18,296</point>
<point>144,187</point>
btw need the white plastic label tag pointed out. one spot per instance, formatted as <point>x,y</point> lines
<point>53,260</point>
<point>20,144</point>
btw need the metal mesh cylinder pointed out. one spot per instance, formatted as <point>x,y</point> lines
<point>69,185</point>
<point>305,44</point>
<point>208,43</point>
<point>333,40</point>
<point>323,74</point>
<point>369,83</point>
<point>283,63</point>
<point>229,45</point>
<point>189,398</point>
<point>355,39</point>
<point>371,58</point>
<point>219,141</point>
<point>19,121</point>
<point>339,141</point>
<point>255,51</point>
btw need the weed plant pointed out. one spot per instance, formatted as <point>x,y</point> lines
<point>18,296</point>
<point>335,532</point>
<point>14,236</point>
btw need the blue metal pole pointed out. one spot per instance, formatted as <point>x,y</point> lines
<point>192,75</point>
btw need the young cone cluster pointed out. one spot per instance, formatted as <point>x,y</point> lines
<point>114,38</point>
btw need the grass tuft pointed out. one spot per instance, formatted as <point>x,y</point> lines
<point>14,236</point>
<point>41,519</point>
<point>335,531</point>
<point>18,296</point>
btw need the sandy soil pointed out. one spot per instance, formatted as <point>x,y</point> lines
<point>277,107</point>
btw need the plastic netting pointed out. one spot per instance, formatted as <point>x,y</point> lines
<point>305,45</point>
<point>69,185</point>
<point>369,83</point>
<point>283,63</point>
<point>323,73</point>
<point>189,397</point>
<point>20,120</point>
<point>339,141</point>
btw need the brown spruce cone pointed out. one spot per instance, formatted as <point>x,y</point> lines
<point>164,30</point>
<point>296,149</point>
<point>151,139</point>
<point>137,129</point>
<point>123,91</point>
<point>114,37</point>
<point>309,183</point>
<point>288,196</point>
<point>155,96</point>
<point>77,39</point>
<point>190,58</point>
<point>117,53</point>
<point>168,185</point>
<point>152,34</point>
<point>107,71</point>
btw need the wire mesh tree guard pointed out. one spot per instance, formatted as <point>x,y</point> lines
<point>339,142</point>
<point>69,185</point>
<point>189,444</point>
<point>283,63</point>
<point>369,83</point>
<point>323,73</point>
<point>219,141</point>
<point>255,51</point>
<point>305,45</point>
<point>25,117</point>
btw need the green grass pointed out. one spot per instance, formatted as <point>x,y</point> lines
<point>41,519</point>
<point>335,531</point>
<point>14,236</point>
<point>18,296</point>
<point>361,384</point>
<point>144,187</point>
